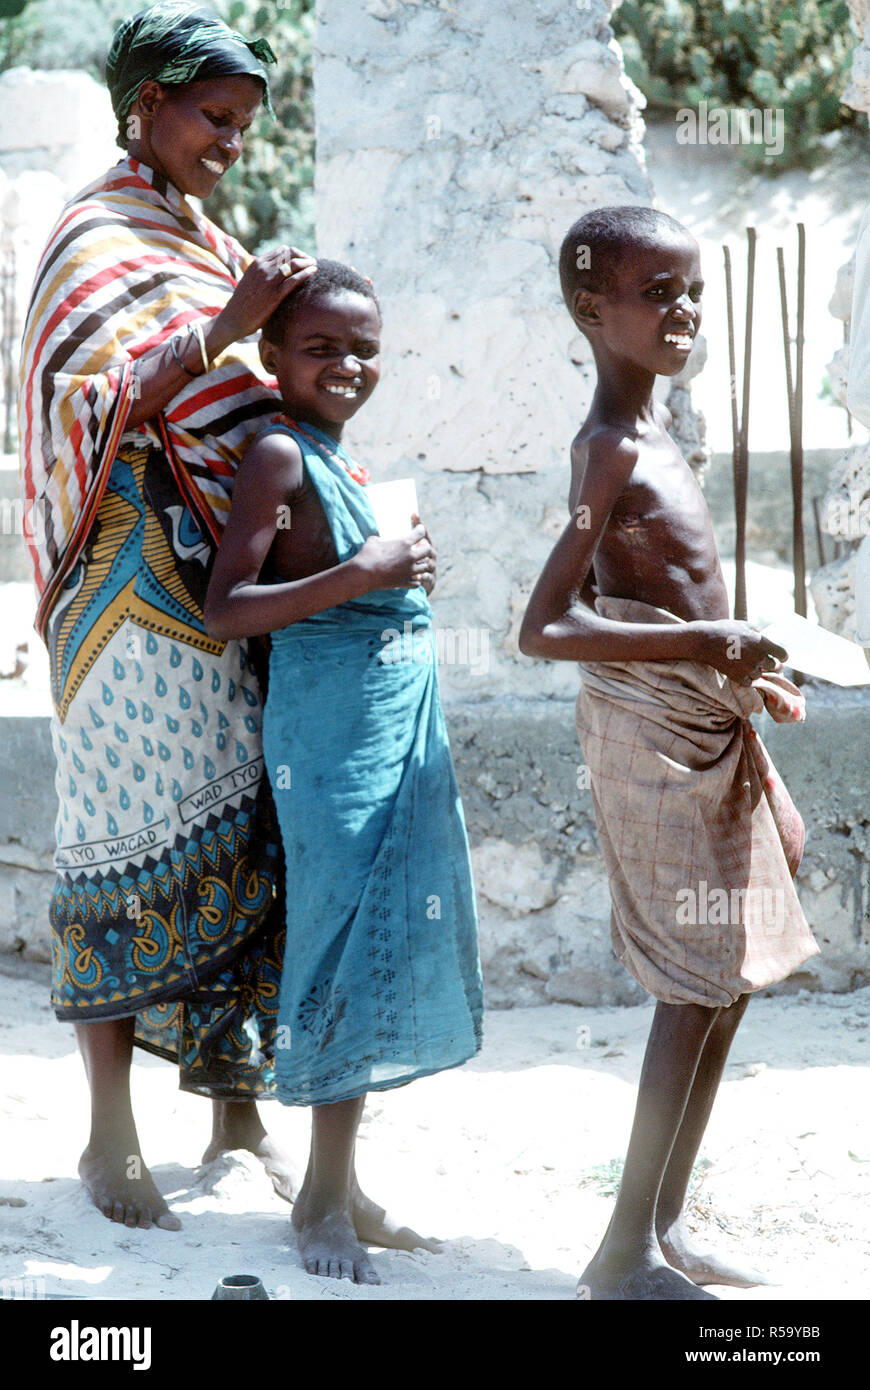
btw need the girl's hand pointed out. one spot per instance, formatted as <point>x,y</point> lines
<point>261,289</point>
<point>427,582</point>
<point>397,564</point>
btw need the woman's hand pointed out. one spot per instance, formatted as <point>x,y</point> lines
<point>160,375</point>
<point>258,294</point>
<point>398,564</point>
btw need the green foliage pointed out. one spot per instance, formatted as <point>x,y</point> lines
<point>608,1176</point>
<point>76,34</point>
<point>755,53</point>
<point>268,196</point>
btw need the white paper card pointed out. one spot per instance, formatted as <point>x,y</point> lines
<point>393,505</point>
<point>818,652</point>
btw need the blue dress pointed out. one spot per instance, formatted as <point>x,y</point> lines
<point>381,980</point>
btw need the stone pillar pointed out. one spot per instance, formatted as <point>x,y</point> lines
<point>57,134</point>
<point>456,144</point>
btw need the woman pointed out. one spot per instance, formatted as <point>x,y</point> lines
<point>138,395</point>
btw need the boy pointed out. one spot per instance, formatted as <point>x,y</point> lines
<point>691,815</point>
<point>381,979</point>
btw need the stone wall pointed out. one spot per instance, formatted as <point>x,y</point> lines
<point>846,508</point>
<point>542,892</point>
<point>56,135</point>
<point>28,808</point>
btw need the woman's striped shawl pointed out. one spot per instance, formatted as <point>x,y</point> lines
<point>128,264</point>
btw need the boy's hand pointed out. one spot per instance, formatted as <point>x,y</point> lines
<point>398,564</point>
<point>783,700</point>
<point>740,651</point>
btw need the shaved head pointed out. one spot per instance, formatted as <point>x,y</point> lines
<point>600,240</point>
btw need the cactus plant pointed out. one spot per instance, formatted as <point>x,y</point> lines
<point>750,54</point>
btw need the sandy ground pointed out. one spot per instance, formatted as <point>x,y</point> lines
<point>509,1159</point>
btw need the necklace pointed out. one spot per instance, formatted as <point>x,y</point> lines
<point>357,472</point>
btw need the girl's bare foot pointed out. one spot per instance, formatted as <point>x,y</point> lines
<point>329,1245</point>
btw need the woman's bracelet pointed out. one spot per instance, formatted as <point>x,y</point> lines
<point>196,330</point>
<point>173,343</point>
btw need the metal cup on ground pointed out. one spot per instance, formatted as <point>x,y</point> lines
<point>247,1287</point>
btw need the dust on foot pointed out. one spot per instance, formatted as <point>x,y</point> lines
<point>647,1280</point>
<point>131,1201</point>
<point>237,1125</point>
<point>329,1246</point>
<point>706,1267</point>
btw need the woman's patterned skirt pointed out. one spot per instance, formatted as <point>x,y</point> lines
<point>168,903</point>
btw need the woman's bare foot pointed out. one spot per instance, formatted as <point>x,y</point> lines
<point>647,1278</point>
<point>122,1188</point>
<point>237,1125</point>
<point>329,1245</point>
<point>112,1167</point>
<point>374,1226</point>
<point>704,1266</point>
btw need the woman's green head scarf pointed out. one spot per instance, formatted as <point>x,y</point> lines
<point>172,44</point>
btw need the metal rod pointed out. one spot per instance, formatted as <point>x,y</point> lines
<point>848,411</point>
<point>740,537</point>
<point>817,517</point>
<point>797,474</point>
<point>743,471</point>
<point>794,391</point>
<point>7,330</point>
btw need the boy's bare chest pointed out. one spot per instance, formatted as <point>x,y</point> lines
<point>663,497</point>
<point>658,543</point>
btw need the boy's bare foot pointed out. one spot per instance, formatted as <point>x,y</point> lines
<point>648,1278</point>
<point>705,1266</point>
<point>374,1226</point>
<point>237,1125</point>
<point>122,1188</point>
<point>329,1245</point>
